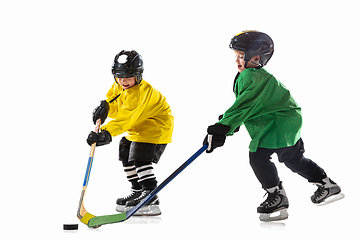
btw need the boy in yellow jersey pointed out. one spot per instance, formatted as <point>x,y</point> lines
<point>143,112</point>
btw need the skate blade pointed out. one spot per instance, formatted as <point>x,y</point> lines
<point>120,208</point>
<point>150,210</point>
<point>269,217</point>
<point>331,199</point>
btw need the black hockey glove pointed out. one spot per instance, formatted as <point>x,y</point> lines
<point>101,112</point>
<point>101,138</point>
<point>236,129</point>
<point>216,136</point>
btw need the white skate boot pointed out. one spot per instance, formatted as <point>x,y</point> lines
<point>274,208</point>
<point>328,191</point>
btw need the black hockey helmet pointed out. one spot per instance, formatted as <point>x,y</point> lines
<point>128,64</point>
<point>253,43</point>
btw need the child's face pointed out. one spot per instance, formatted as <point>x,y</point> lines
<point>126,83</point>
<point>239,59</point>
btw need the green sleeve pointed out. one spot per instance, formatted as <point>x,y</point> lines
<point>247,104</point>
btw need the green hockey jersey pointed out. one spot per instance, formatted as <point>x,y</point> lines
<point>266,108</point>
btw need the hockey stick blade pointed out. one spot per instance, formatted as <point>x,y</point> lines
<point>82,214</point>
<point>114,218</point>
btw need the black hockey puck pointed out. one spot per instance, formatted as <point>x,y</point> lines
<point>71,226</point>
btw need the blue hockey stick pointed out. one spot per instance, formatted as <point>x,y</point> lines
<point>107,219</point>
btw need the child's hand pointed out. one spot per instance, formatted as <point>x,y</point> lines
<point>216,136</point>
<point>101,112</point>
<point>100,139</point>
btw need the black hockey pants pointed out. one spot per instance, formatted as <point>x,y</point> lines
<point>137,159</point>
<point>292,157</point>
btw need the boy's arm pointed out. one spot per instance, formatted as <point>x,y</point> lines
<point>246,105</point>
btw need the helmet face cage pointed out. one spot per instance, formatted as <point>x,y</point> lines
<point>132,66</point>
<point>253,43</point>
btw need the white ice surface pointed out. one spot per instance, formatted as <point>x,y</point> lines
<point>55,59</point>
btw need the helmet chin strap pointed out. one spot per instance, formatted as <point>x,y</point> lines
<point>246,63</point>
<point>255,63</point>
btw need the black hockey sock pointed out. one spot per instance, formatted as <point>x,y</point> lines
<point>145,172</point>
<point>132,176</point>
<point>135,185</point>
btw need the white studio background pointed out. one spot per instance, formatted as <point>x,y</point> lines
<point>55,61</point>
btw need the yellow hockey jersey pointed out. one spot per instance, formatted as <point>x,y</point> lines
<point>142,112</point>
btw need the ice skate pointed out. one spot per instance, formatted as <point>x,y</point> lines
<point>274,208</point>
<point>328,191</point>
<point>121,202</point>
<point>149,209</point>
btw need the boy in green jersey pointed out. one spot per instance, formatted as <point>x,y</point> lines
<point>273,120</point>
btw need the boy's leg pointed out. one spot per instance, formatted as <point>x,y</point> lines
<point>264,169</point>
<point>131,174</point>
<point>143,155</point>
<point>328,191</point>
<point>294,159</point>
<point>129,167</point>
<point>266,172</point>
